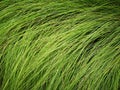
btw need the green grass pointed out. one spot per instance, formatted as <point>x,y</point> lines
<point>59,45</point>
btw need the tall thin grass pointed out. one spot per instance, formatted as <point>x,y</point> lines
<point>60,45</point>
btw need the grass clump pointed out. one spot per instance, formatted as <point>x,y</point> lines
<point>59,45</point>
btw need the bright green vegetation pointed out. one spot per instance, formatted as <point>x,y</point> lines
<point>60,45</point>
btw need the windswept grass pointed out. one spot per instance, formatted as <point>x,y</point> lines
<point>60,45</point>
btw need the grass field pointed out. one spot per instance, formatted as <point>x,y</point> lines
<point>59,44</point>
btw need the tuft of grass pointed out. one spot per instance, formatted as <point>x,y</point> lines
<point>60,45</point>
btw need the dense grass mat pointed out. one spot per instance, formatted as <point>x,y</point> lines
<point>60,45</point>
